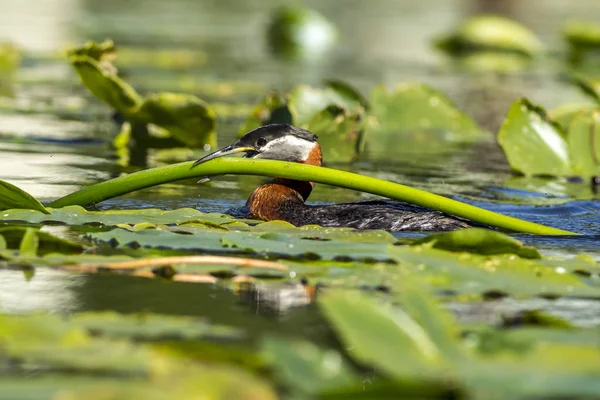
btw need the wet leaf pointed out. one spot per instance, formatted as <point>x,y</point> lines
<point>490,33</point>
<point>533,144</point>
<point>77,215</point>
<point>13,197</point>
<point>339,133</point>
<point>564,114</point>
<point>479,241</point>
<point>305,102</point>
<point>304,366</point>
<point>105,85</point>
<point>402,348</point>
<point>583,140</point>
<point>189,119</point>
<point>415,113</point>
<point>297,31</point>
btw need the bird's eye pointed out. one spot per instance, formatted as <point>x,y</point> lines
<point>261,142</point>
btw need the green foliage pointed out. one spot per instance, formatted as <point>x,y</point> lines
<point>536,145</point>
<point>10,58</point>
<point>297,31</point>
<point>533,144</point>
<point>13,197</point>
<point>189,120</point>
<point>583,38</point>
<point>479,241</point>
<point>490,33</point>
<point>415,115</point>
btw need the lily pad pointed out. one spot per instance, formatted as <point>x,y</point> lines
<point>403,349</point>
<point>101,52</point>
<point>272,109</point>
<point>583,37</point>
<point>589,86</point>
<point>305,101</point>
<point>339,133</point>
<point>584,143</point>
<point>105,85</point>
<point>297,31</point>
<point>189,119</point>
<point>303,365</point>
<point>479,241</point>
<point>490,33</point>
<point>13,197</point>
<point>415,113</point>
<point>532,143</point>
<point>564,114</point>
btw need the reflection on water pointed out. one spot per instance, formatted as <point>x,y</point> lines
<point>48,290</point>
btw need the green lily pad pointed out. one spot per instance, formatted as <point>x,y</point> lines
<point>415,113</point>
<point>339,133</point>
<point>490,33</point>
<point>533,144</point>
<point>105,85</point>
<point>584,143</point>
<point>304,366</point>
<point>564,114</point>
<point>13,197</point>
<point>479,241</point>
<point>77,215</point>
<point>402,348</point>
<point>297,31</point>
<point>305,101</point>
<point>189,119</point>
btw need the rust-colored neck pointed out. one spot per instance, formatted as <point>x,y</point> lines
<point>269,201</point>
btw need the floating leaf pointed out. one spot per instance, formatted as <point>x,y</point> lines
<point>564,114</point>
<point>490,33</point>
<point>589,86</point>
<point>402,348</point>
<point>297,31</point>
<point>13,197</point>
<point>189,119</point>
<point>415,113</point>
<point>339,133</point>
<point>305,101</point>
<point>303,365</point>
<point>77,215</point>
<point>479,241</point>
<point>105,85</point>
<point>583,140</point>
<point>533,144</point>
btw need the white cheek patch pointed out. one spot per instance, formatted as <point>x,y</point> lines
<point>287,148</point>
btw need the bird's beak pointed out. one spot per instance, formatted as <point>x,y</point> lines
<point>225,151</point>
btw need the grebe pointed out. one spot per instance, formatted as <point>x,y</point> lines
<point>284,199</point>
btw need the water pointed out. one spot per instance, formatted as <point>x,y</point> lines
<point>52,131</point>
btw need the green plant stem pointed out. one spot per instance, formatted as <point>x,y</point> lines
<point>244,166</point>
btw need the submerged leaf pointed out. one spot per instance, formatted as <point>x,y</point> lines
<point>479,241</point>
<point>490,33</point>
<point>189,119</point>
<point>13,197</point>
<point>533,144</point>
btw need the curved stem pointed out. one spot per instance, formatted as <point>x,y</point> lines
<point>244,166</point>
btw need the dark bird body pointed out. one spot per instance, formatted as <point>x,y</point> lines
<point>284,199</point>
